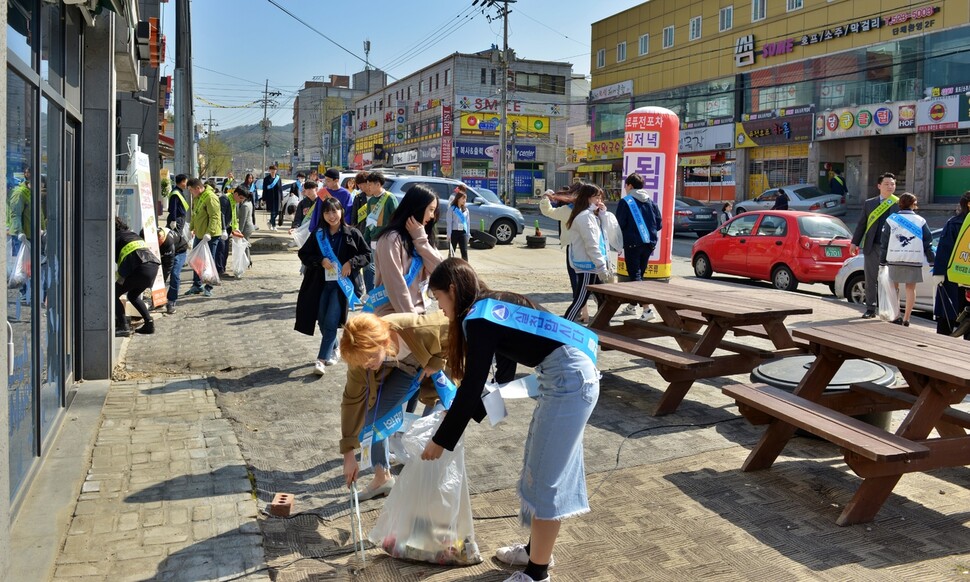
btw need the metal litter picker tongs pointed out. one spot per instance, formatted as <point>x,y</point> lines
<point>355,528</point>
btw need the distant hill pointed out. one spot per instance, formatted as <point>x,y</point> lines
<point>246,144</point>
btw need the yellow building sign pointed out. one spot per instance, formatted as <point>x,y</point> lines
<point>483,123</point>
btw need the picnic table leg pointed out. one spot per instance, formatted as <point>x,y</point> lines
<point>869,498</point>
<point>677,390</point>
<point>607,309</point>
<point>916,384</point>
<point>779,334</point>
<point>779,433</point>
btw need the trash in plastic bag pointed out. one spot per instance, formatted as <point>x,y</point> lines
<point>302,234</point>
<point>240,258</point>
<point>201,261</point>
<point>428,515</point>
<point>18,265</point>
<point>888,296</point>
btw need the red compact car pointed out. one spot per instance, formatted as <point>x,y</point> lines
<point>784,247</point>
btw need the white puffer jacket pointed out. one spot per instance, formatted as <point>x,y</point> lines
<point>587,249</point>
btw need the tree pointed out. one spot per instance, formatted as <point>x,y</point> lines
<point>215,157</point>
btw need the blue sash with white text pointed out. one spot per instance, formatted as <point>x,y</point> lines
<point>536,322</point>
<point>638,218</point>
<point>388,424</point>
<point>378,296</point>
<point>273,184</point>
<point>461,217</point>
<point>908,225</point>
<point>343,282</point>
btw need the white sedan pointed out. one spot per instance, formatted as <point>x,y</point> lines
<point>850,282</point>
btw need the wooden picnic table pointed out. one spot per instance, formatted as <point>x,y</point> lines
<point>698,320</point>
<point>936,369</point>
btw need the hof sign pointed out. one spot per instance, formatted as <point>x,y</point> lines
<point>650,143</point>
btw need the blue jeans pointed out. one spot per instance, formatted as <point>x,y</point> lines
<point>175,278</point>
<point>213,247</point>
<point>370,271</point>
<point>637,259</point>
<point>328,317</point>
<point>222,255</point>
<point>392,392</point>
<point>553,482</point>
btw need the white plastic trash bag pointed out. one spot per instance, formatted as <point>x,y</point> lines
<point>18,265</point>
<point>888,296</point>
<point>201,261</point>
<point>428,515</point>
<point>302,233</point>
<point>240,256</point>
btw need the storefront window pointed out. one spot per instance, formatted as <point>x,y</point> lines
<point>609,119</point>
<point>52,46</point>
<point>946,62</point>
<point>21,298</point>
<point>51,306</point>
<point>20,29</point>
<point>952,172</point>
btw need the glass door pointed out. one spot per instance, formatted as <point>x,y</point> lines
<point>50,236</point>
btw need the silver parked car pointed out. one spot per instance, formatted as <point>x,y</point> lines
<point>850,281</point>
<point>803,197</point>
<point>501,221</point>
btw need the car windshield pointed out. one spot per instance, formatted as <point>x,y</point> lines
<point>809,192</point>
<point>826,227</point>
<point>488,195</point>
<point>691,202</point>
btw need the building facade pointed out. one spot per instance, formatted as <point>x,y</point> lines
<point>777,92</point>
<point>316,106</point>
<point>444,121</point>
<point>65,66</point>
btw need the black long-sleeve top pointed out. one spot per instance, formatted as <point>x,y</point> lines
<point>484,340</point>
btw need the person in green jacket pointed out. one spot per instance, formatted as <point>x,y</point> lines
<point>206,225</point>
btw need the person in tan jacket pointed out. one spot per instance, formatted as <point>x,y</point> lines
<point>411,233</point>
<point>385,356</point>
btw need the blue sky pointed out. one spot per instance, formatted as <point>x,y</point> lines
<point>238,44</point>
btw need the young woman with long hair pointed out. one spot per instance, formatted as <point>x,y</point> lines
<point>332,256</point>
<point>587,248</point>
<point>485,324</point>
<point>457,221</point>
<point>405,255</point>
<point>386,357</point>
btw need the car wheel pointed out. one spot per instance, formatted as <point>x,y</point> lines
<point>782,278</point>
<point>739,210</point>
<point>504,231</point>
<point>855,288</point>
<point>702,266</point>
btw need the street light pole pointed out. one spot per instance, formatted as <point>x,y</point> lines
<point>504,156</point>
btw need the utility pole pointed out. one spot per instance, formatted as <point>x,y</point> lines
<point>504,156</point>
<point>208,153</point>
<point>267,101</point>
<point>184,122</point>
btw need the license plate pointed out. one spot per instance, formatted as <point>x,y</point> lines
<point>835,252</point>
<point>830,203</point>
<point>702,216</point>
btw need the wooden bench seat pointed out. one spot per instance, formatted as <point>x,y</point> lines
<point>658,354</point>
<point>849,433</point>
<point>906,400</point>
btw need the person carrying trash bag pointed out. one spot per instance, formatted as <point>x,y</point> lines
<point>485,324</point>
<point>389,359</point>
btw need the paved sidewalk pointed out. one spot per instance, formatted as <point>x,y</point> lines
<point>167,495</point>
<point>226,385</point>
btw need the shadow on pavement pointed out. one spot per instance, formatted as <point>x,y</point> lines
<point>222,481</point>
<point>231,555</point>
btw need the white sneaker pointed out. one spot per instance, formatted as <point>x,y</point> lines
<point>319,368</point>
<point>522,577</point>
<point>515,555</point>
<point>647,314</point>
<point>331,361</point>
<point>630,309</point>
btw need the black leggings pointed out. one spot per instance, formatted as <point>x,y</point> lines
<point>581,294</point>
<point>133,286</point>
<point>459,239</point>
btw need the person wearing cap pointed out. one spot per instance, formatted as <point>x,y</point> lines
<point>331,181</point>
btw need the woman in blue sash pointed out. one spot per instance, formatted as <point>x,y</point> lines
<point>457,222</point>
<point>405,255</point>
<point>485,324</point>
<point>587,246</point>
<point>388,359</point>
<point>906,243</point>
<point>332,255</point>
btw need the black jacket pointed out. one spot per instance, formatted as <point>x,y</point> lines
<point>353,250</point>
<point>135,259</point>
